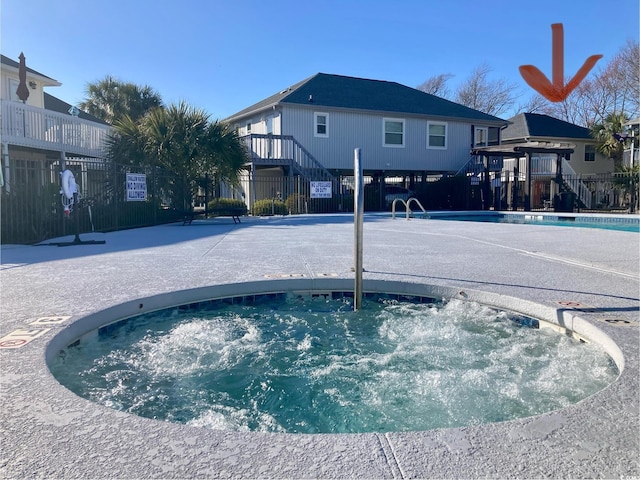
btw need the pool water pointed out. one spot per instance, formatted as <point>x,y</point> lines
<point>606,223</point>
<point>303,364</point>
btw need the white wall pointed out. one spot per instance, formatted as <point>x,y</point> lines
<point>348,130</point>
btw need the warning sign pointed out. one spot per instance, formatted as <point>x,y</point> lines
<point>136,187</point>
<point>19,338</point>
<point>320,190</point>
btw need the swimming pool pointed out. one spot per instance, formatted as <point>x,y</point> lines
<point>626,223</point>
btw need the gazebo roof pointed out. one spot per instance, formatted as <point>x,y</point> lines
<point>518,149</point>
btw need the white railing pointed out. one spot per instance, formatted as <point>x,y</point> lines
<point>28,126</point>
<point>543,165</point>
<point>572,179</point>
<point>269,149</point>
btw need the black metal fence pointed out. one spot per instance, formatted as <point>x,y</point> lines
<point>32,209</point>
<point>31,203</point>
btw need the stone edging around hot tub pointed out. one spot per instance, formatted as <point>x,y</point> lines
<point>562,320</point>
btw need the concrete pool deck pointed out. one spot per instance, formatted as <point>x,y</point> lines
<point>48,432</point>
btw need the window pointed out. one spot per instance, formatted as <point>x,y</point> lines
<point>248,128</point>
<point>437,133</point>
<point>589,153</point>
<point>13,87</point>
<point>321,125</point>
<point>393,132</point>
<point>480,137</point>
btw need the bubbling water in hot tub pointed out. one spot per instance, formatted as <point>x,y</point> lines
<point>311,364</point>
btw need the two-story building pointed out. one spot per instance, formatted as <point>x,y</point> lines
<point>43,130</point>
<point>312,128</point>
<point>40,135</point>
<point>550,173</point>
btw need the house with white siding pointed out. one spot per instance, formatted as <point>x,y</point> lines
<point>552,173</point>
<point>41,136</point>
<point>42,131</point>
<point>311,129</point>
<point>535,127</point>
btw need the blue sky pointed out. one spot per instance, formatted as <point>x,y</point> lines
<point>223,56</point>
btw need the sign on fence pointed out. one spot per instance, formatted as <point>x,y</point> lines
<point>495,163</point>
<point>136,187</point>
<point>320,190</point>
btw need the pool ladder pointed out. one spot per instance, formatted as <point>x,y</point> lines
<point>406,206</point>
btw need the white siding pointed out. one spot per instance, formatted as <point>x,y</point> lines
<point>349,130</point>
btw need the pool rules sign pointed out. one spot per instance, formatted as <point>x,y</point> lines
<point>320,190</point>
<point>136,187</point>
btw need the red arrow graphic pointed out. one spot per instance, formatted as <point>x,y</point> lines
<point>556,91</point>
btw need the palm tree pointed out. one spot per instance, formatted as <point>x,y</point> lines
<point>228,154</point>
<point>628,180</point>
<point>182,141</point>
<point>605,134</point>
<point>111,99</point>
<point>175,140</point>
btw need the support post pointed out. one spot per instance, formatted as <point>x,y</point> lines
<point>527,196</point>
<point>358,209</point>
<point>5,175</point>
<point>516,184</point>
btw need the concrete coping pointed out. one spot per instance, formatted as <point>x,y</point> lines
<point>559,319</point>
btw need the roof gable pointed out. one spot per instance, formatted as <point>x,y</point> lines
<point>56,105</point>
<point>13,64</point>
<point>534,125</point>
<point>337,91</point>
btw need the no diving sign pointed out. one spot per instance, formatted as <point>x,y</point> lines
<point>136,187</point>
<point>20,337</point>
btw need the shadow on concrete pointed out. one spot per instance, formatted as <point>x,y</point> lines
<point>160,236</point>
<point>536,287</point>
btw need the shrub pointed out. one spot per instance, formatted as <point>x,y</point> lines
<point>296,203</point>
<point>269,207</point>
<point>226,206</point>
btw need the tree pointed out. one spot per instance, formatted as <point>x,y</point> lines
<point>615,88</point>
<point>534,104</point>
<point>628,180</point>
<point>182,141</point>
<point>493,97</point>
<point>437,85</point>
<point>111,99</point>
<point>606,134</point>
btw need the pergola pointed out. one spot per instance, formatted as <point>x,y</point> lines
<point>526,149</point>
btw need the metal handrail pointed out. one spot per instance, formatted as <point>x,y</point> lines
<point>406,206</point>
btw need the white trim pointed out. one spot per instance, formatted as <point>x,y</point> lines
<point>315,124</point>
<point>384,132</point>
<point>446,129</point>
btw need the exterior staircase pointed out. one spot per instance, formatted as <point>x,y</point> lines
<point>285,150</point>
<point>571,182</point>
<point>544,166</point>
<point>474,166</point>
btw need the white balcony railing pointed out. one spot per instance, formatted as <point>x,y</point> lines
<point>27,126</point>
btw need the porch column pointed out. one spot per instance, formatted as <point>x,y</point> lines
<point>252,186</point>
<point>516,181</point>
<point>559,171</point>
<point>527,188</point>
<point>487,196</point>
